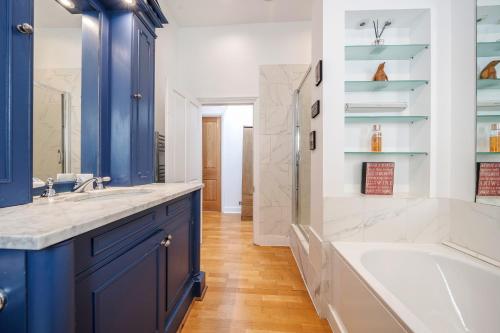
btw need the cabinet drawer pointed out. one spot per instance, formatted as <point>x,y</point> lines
<point>112,240</point>
<point>178,208</point>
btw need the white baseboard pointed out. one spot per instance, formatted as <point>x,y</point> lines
<point>272,240</point>
<point>231,210</point>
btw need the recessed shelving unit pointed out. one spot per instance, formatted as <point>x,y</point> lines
<point>397,85</point>
<point>393,119</point>
<point>488,84</point>
<point>383,52</point>
<point>401,105</point>
<point>488,49</point>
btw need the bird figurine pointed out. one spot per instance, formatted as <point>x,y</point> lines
<point>489,72</point>
<point>380,74</point>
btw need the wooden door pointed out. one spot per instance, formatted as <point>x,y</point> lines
<point>212,163</point>
<point>247,175</point>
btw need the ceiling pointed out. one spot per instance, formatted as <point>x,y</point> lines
<point>226,12</point>
<point>50,14</point>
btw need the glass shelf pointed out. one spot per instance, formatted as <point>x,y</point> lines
<point>488,84</point>
<point>394,119</point>
<point>401,85</point>
<point>489,49</point>
<point>488,106</point>
<point>387,153</point>
<point>383,52</point>
<point>486,153</point>
<point>488,118</point>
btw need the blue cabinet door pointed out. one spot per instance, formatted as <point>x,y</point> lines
<point>122,296</point>
<point>15,102</point>
<point>143,105</point>
<point>178,259</point>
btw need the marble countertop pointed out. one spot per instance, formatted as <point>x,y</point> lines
<point>46,222</point>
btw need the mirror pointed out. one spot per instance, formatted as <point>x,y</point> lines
<point>488,102</point>
<point>57,85</point>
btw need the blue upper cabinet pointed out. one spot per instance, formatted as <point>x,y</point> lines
<point>15,101</point>
<point>132,102</point>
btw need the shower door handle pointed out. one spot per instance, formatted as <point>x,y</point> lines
<point>60,156</point>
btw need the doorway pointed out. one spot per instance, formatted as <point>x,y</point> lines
<point>228,159</point>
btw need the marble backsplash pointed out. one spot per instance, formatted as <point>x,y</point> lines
<point>475,227</point>
<point>275,140</point>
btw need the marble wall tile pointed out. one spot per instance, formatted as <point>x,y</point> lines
<point>275,138</point>
<point>312,278</point>
<point>374,219</point>
<point>67,80</point>
<point>476,227</point>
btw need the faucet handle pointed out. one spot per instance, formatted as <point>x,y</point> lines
<point>100,185</point>
<point>49,191</point>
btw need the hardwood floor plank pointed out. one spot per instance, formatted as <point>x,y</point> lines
<point>251,289</point>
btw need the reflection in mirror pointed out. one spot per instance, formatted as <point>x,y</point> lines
<point>488,102</point>
<point>57,91</point>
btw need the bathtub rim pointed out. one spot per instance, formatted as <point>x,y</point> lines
<point>351,254</point>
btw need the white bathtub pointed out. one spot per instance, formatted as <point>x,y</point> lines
<point>420,287</point>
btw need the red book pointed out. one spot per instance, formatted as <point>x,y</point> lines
<point>378,178</point>
<point>488,179</point>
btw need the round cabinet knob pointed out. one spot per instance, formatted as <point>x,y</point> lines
<point>3,299</point>
<point>169,237</point>
<point>25,28</point>
<point>166,242</point>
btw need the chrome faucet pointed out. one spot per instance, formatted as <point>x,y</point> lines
<point>49,191</point>
<point>99,181</point>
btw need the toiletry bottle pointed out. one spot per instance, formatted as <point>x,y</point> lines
<point>495,138</point>
<point>376,139</point>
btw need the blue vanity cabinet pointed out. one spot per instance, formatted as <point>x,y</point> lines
<point>122,296</point>
<point>132,100</point>
<point>16,70</point>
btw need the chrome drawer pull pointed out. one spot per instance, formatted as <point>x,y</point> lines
<point>137,96</point>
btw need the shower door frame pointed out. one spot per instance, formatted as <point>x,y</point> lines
<point>296,157</point>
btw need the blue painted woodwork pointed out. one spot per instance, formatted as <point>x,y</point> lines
<point>13,281</point>
<point>95,91</point>
<point>51,289</point>
<point>16,73</point>
<point>132,118</point>
<point>118,278</point>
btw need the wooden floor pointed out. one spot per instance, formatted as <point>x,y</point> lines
<point>250,288</point>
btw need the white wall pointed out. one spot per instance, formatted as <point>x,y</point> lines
<point>177,113</point>
<point>223,61</point>
<point>58,48</point>
<point>234,118</point>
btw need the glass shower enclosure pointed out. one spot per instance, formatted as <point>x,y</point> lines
<point>302,155</point>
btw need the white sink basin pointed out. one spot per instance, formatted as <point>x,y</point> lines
<point>106,195</point>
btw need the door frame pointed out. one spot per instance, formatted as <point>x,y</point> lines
<point>254,101</point>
